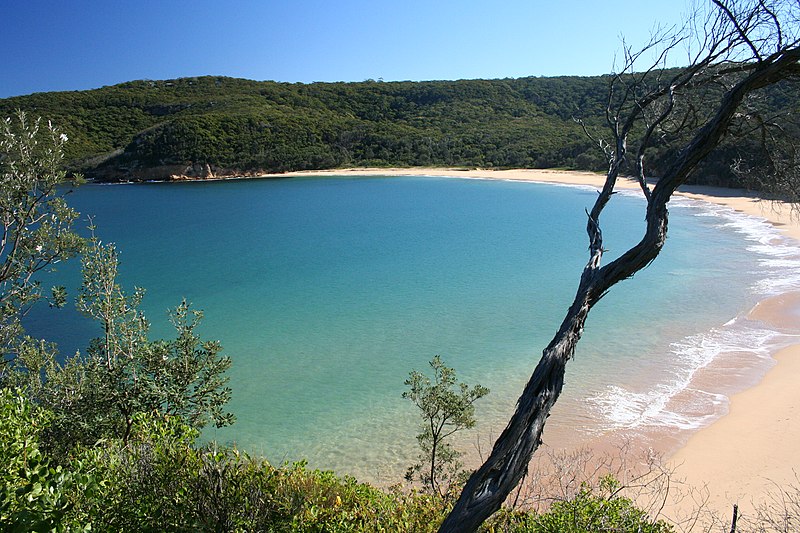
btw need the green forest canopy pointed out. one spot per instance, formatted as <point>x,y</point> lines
<point>189,126</point>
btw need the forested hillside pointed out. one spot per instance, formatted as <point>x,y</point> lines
<point>198,127</point>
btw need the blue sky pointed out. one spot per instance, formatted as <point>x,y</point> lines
<point>83,44</point>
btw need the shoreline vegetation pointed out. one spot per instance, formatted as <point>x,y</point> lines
<point>217,127</point>
<point>748,452</point>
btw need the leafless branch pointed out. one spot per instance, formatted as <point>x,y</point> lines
<point>739,29</point>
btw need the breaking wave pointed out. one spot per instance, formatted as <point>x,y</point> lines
<point>677,400</point>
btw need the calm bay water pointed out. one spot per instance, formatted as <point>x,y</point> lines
<point>327,292</point>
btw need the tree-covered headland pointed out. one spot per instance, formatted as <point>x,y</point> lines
<point>216,126</point>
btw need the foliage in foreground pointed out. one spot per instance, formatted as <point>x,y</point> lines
<point>97,394</point>
<point>590,511</point>
<point>93,395</point>
<point>162,480</point>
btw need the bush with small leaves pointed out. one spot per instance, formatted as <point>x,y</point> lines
<point>446,408</point>
<point>588,511</point>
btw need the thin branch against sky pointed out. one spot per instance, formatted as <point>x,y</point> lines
<point>90,43</point>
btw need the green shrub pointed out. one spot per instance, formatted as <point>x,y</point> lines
<point>588,511</point>
<point>161,481</point>
<point>35,494</point>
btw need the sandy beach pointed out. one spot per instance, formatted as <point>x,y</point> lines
<point>752,450</point>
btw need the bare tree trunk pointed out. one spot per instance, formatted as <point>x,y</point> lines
<point>490,485</point>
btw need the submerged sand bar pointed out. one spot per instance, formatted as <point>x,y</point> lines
<point>753,449</point>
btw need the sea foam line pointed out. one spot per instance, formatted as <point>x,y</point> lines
<point>778,259</point>
<point>622,408</point>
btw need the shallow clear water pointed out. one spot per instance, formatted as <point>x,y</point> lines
<point>326,292</point>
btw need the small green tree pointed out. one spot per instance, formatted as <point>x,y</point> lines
<point>124,373</point>
<point>97,394</point>
<point>93,395</point>
<point>446,408</point>
<point>36,221</point>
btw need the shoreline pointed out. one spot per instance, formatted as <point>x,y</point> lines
<point>750,451</point>
<point>749,454</point>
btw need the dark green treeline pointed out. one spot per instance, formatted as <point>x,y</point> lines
<point>227,126</point>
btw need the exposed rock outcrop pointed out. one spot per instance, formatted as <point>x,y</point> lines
<point>177,172</point>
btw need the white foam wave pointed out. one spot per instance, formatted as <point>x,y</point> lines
<point>633,410</point>
<point>778,257</point>
<point>778,270</point>
<point>778,260</point>
<point>623,408</point>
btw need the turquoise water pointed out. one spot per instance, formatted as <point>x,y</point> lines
<point>326,292</point>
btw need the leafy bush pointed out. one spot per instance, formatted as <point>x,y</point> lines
<point>161,481</point>
<point>588,511</point>
<point>35,494</point>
